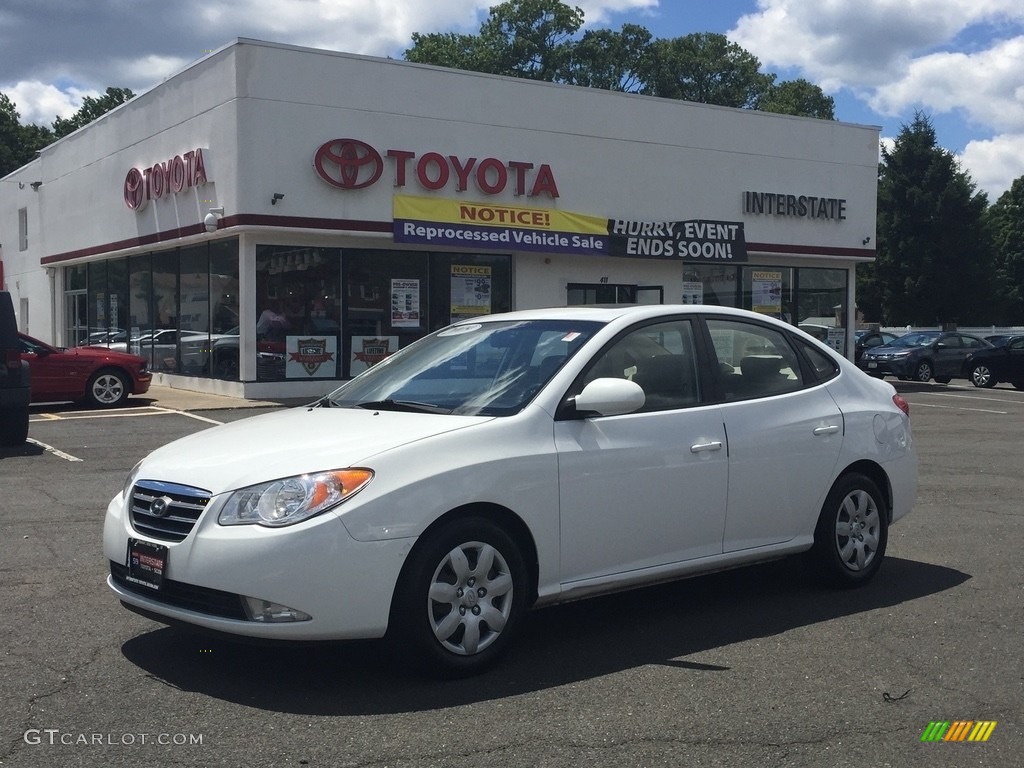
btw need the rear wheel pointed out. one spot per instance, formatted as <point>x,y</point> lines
<point>852,532</point>
<point>923,372</point>
<point>461,598</point>
<point>981,376</point>
<point>107,388</point>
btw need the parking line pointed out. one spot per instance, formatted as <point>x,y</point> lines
<point>915,404</point>
<point>50,449</point>
<point>978,397</point>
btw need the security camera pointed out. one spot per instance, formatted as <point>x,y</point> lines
<point>210,222</point>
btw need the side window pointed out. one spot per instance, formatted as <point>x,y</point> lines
<point>873,341</point>
<point>755,361</point>
<point>660,358</point>
<point>952,342</point>
<point>1017,345</point>
<point>824,366</point>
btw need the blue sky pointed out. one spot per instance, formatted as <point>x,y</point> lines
<point>961,62</point>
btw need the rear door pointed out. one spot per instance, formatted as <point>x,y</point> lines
<point>785,433</point>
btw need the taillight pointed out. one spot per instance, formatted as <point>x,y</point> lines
<point>901,402</point>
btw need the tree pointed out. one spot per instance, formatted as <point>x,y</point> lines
<point>707,68</point>
<point>18,143</point>
<point>536,39</point>
<point>91,109</point>
<point>520,38</point>
<point>798,97</point>
<point>934,258</point>
<point>609,60</point>
<point>1006,223</point>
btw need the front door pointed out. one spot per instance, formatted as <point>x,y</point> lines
<point>648,488</point>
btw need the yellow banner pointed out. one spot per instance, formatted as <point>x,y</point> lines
<point>412,208</point>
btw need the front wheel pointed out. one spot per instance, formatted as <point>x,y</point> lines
<point>107,388</point>
<point>981,376</point>
<point>923,372</point>
<point>460,598</point>
<point>852,531</point>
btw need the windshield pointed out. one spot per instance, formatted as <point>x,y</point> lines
<point>479,368</point>
<point>914,340</point>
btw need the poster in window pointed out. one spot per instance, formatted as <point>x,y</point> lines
<point>314,357</point>
<point>693,292</point>
<point>367,351</point>
<point>766,292</point>
<point>405,303</point>
<point>471,291</point>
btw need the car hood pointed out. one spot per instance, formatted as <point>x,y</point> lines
<point>103,353</point>
<point>291,442</point>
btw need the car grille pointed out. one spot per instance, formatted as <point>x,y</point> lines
<point>174,514</point>
<point>212,602</point>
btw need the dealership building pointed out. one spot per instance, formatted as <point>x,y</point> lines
<point>274,219</point>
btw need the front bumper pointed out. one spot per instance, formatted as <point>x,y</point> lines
<point>316,567</point>
<point>894,366</point>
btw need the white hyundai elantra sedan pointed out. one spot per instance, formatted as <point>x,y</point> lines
<point>512,461</point>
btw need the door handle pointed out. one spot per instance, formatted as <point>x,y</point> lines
<point>829,430</point>
<point>701,447</point>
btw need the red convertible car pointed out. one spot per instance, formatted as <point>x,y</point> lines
<point>95,375</point>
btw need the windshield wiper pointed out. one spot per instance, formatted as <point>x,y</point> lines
<point>408,406</point>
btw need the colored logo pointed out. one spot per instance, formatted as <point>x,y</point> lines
<point>348,163</point>
<point>374,350</point>
<point>958,730</point>
<point>312,354</point>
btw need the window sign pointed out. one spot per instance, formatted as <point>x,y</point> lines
<point>471,291</point>
<point>766,292</point>
<point>405,303</point>
<point>693,293</point>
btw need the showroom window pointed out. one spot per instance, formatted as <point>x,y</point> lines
<point>613,293</point>
<point>393,298</point>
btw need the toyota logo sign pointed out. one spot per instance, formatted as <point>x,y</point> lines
<point>348,163</point>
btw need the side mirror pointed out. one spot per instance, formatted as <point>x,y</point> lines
<point>610,397</point>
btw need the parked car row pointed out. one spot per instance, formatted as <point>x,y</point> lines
<point>946,355</point>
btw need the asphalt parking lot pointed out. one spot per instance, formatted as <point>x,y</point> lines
<point>751,667</point>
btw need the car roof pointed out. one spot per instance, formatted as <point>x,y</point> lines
<point>608,313</point>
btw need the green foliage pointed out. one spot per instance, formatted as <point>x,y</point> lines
<point>609,60</point>
<point>705,68</point>
<point>798,97</point>
<point>91,109</point>
<point>934,257</point>
<point>1006,224</point>
<point>537,39</point>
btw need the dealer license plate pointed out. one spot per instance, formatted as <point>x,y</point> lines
<point>146,563</point>
<point>872,365</point>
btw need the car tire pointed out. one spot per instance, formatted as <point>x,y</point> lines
<point>225,366</point>
<point>460,599</point>
<point>981,376</point>
<point>13,426</point>
<point>923,372</point>
<point>1018,384</point>
<point>852,532</point>
<point>107,388</point>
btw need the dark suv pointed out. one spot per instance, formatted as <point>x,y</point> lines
<point>15,389</point>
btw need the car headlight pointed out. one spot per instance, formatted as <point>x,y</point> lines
<point>130,481</point>
<point>292,499</point>
<point>902,354</point>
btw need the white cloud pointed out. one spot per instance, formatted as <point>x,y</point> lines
<point>994,164</point>
<point>960,58</point>
<point>40,103</point>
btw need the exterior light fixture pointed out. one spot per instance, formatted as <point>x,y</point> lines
<point>212,220</point>
<point>277,196</point>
